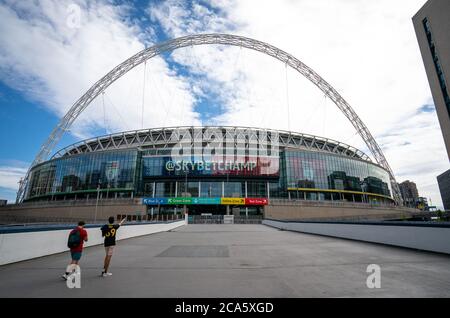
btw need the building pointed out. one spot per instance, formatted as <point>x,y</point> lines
<point>214,170</point>
<point>432,25</point>
<point>444,188</point>
<point>409,193</point>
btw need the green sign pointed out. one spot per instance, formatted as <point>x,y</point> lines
<point>179,200</point>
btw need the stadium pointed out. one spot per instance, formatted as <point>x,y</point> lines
<point>216,170</point>
<point>210,170</point>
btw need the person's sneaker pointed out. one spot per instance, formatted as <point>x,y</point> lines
<point>108,274</point>
<point>103,274</point>
<point>64,276</point>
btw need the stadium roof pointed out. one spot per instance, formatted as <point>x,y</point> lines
<point>166,137</point>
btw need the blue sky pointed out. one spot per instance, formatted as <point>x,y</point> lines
<point>50,54</point>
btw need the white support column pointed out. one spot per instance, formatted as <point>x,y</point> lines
<point>223,189</point>
<point>246,195</point>
<point>153,195</point>
<point>246,189</point>
<point>176,188</point>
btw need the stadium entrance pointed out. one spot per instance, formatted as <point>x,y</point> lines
<point>206,209</point>
<point>205,206</point>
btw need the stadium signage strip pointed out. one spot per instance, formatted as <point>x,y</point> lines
<point>211,201</point>
<point>209,166</point>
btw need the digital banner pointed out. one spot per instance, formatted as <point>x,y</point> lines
<point>155,166</point>
<point>205,201</point>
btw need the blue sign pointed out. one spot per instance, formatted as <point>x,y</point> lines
<point>154,201</point>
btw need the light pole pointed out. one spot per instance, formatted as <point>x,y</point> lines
<point>185,190</point>
<point>96,204</point>
<point>107,190</point>
<point>185,184</point>
<point>228,189</point>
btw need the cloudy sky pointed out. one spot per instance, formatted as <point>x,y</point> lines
<point>51,52</point>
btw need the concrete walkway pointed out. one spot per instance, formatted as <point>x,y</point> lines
<point>235,261</point>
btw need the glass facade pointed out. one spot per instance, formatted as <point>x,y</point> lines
<point>302,174</point>
<point>111,172</point>
<point>307,173</point>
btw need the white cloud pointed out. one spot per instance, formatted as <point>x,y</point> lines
<point>55,64</point>
<point>366,49</point>
<point>10,176</point>
<point>179,18</point>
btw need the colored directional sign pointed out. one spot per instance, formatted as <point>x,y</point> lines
<point>179,200</point>
<point>154,201</point>
<point>256,201</point>
<point>233,201</point>
<point>210,201</point>
<point>213,201</point>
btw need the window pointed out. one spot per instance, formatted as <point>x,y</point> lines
<point>437,64</point>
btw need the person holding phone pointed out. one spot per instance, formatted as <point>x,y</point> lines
<point>109,232</point>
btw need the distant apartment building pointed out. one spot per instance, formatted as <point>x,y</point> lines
<point>444,188</point>
<point>409,193</point>
<point>432,25</point>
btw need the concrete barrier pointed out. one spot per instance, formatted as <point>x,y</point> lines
<point>23,244</point>
<point>433,237</point>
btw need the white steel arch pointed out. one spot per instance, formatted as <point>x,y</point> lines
<point>204,39</point>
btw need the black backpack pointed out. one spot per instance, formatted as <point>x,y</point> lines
<point>74,238</point>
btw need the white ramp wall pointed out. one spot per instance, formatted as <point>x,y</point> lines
<point>16,247</point>
<point>427,237</point>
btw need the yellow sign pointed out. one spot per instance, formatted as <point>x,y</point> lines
<point>232,201</point>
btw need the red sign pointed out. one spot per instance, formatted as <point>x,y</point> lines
<point>256,201</point>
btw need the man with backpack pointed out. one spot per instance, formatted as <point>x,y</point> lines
<point>77,237</point>
<point>109,232</point>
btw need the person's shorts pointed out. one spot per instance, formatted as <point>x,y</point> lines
<point>75,256</point>
<point>109,250</point>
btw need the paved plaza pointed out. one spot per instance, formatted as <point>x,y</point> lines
<point>235,261</point>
